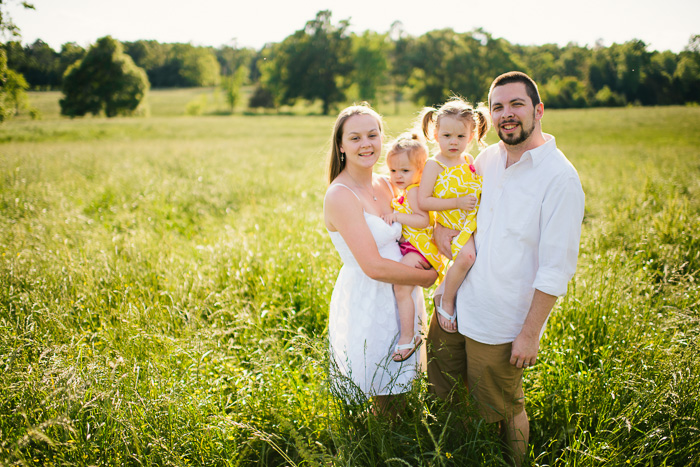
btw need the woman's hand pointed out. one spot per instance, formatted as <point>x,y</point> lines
<point>431,278</point>
<point>415,260</point>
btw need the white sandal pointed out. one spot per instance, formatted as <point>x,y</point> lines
<point>443,313</point>
<point>412,346</point>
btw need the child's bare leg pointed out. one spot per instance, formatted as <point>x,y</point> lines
<point>407,310</point>
<point>453,280</point>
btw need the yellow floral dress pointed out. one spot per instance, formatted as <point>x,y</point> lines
<point>454,182</point>
<point>421,239</point>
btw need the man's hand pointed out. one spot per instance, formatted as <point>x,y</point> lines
<point>442,237</point>
<point>525,348</point>
<point>527,343</point>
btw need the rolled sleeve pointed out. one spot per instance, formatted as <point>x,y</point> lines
<point>560,226</point>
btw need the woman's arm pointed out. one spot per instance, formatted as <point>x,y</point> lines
<point>343,213</point>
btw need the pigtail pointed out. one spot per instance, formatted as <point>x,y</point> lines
<point>427,122</point>
<point>482,123</point>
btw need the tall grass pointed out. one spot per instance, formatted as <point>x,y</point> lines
<point>164,285</point>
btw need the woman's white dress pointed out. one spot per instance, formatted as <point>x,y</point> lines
<point>363,324</point>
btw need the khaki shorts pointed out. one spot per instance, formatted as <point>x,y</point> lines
<point>495,384</point>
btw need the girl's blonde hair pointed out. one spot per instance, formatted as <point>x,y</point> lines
<point>413,145</point>
<point>459,108</point>
<point>336,163</point>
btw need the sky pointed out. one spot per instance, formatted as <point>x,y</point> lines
<point>662,25</point>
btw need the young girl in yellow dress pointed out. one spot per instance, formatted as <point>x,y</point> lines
<point>451,188</point>
<point>405,158</point>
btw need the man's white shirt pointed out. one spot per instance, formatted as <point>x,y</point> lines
<point>527,238</point>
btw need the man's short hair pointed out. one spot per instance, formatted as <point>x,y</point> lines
<point>517,77</point>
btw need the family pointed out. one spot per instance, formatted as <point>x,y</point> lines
<point>500,233</point>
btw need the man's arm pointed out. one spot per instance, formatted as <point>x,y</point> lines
<point>562,214</point>
<point>527,343</point>
<point>442,237</point>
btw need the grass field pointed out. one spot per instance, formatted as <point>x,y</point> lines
<point>164,286</point>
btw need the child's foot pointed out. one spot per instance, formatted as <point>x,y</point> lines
<point>404,351</point>
<point>447,320</point>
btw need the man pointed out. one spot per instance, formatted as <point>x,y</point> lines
<point>527,239</point>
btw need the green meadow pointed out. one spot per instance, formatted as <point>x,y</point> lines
<point>164,289</point>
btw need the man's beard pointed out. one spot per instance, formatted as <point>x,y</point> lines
<point>515,139</point>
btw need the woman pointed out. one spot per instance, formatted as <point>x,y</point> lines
<point>363,321</point>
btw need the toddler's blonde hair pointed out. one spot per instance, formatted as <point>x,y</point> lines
<point>412,144</point>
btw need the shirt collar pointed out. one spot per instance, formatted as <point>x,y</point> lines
<point>537,154</point>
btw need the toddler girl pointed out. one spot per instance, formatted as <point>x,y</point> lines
<point>405,158</point>
<point>451,187</point>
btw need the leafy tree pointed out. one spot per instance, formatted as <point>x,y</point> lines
<point>106,80</point>
<point>12,83</point>
<point>7,26</point>
<point>147,54</point>
<point>539,61</point>
<point>16,57</point>
<point>197,66</point>
<point>687,75</point>
<point>497,56</point>
<point>572,61</point>
<point>400,66</point>
<point>601,69</point>
<point>43,66</point>
<point>446,63</point>
<point>632,61</point>
<point>567,92</point>
<point>12,90</point>
<point>311,64</point>
<point>40,64</point>
<point>70,53</point>
<point>657,87</point>
<point>232,86</point>
<point>607,98</point>
<point>175,65</point>
<point>370,53</point>
<point>231,58</point>
<point>152,56</point>
<point>693,44</point>
<point>271,77</point>
<point>261,98</point>
<point>443,64</point>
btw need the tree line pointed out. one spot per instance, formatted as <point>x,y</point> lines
<point>324,62</point>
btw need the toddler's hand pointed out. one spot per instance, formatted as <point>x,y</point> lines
<point>389,218</point>
<point>466,203</point>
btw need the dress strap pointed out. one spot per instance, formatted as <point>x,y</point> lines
<point>391,187</point>
<point>439,163</point>
<point>345,186</point>
<point>388,183</point>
